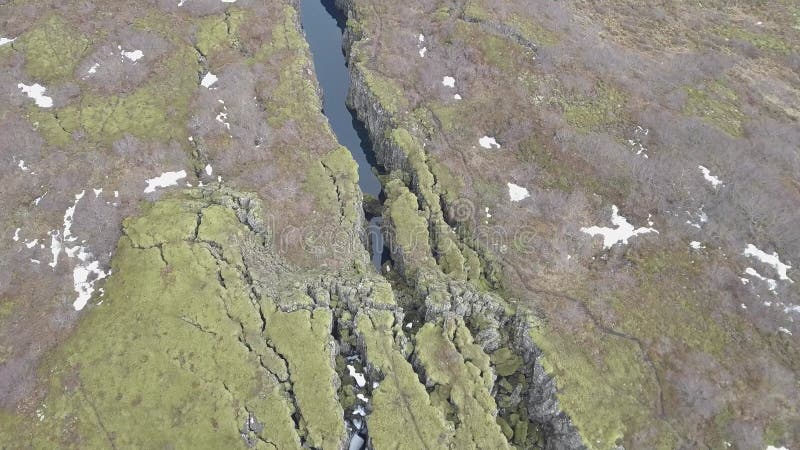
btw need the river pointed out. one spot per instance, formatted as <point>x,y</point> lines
<point>323,25</point>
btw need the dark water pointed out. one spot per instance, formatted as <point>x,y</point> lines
<point>323,25</point>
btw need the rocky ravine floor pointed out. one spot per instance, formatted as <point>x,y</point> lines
<point>183,251</point>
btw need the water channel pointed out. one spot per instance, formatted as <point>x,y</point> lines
<point>323,25</point>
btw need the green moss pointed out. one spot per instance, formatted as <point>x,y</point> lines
<point>402,416</point>
<point>445,366</point>
<point>215,33</point>
<point>294,100</point>
<point>506,363</point>
<point>718,105</point>
<point>408,226</point>
<point>388,93</point>
<point>303,338</point>
<point>762,40</point>
<point>168,220</point>
<point>526,27</point>
<point>163,353</point>
<point>602,110</point>
<point>499,52</point>
<point>52,49</point>
<point>613,379</point>
<point>157,110</point>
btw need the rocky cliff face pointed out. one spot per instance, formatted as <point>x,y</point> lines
<point>494,322</point>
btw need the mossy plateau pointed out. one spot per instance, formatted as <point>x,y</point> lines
<point>52,49</point>
<point>717,104</point>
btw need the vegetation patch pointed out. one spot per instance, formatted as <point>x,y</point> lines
<point>52,49</point>
<point>718,105</point>
<point>602,110</point>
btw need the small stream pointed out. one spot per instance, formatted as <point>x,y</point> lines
<point>323,25</point>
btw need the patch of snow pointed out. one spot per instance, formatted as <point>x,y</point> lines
<point>36,92</point>
<point>31,244</point>
<point>116,194</point>
<point>362,398</point>
<point>776,448</point>
<point>695,245</point>
<point>620,234</point>
<point>697,219</point>
<point>375,385</point>
<point>84,277</point>
<point>486,210</point>
<point>744,280</point>
<point>164,180</point>
<point>68,217</point>
<point>38,199</point>
<point>422,38</point>
<point>97,192</point>
<point>771,260</point>
<point>16,235</point>
<point>772,284</point>
<point>409,324</point>
<point>93,69</point>
<point>209,169</point>
<point>449,82</point>
<point>488,142</point>
<point>715,181</point>
<point>55,247</point>
<point>221,117</point>
<point>784,330</point>
<point>35,261</point>
<point>457,97</point>
<point>361,381</point>
<point>22,166</point>
<point>359,411</point>
<point>208,80</point>
<point>517,193</point>
<point>4,41</point>
<point>133,56</point>
<point>422,52</point>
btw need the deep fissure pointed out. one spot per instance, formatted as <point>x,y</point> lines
<point>324,26</point>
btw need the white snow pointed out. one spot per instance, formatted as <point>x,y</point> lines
<point>623,231</point>
<point>422,38</point>
<point>36,92</point>
<point>776,448</point>
<point>22,166</point>
<point>4,41</point>
<point>488,215</point>
<point>771,260</point>
<point>209,169</point>
<point>208,80</point>
<point>228,1</point>
<point>715,181</point>
<point>517,193</point>
<point>772,284</point>
<point>457,97</point>
<point>696,245</point>
<point>55,247</point>
<point>97,192</point>
<point>362,398</point>
<point>84,277</point>
<point>784,330</point>
<point>422,52</point>
<point>361,381</point>
<point>409,324</point>
<point>31,244</point>
<point>164,180</point>
<point>488,142</point>
<point>16,234</point>
<point>221,117</point>
<point>134,55</point>
<point>449,82</point>
<point>93,69</point>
